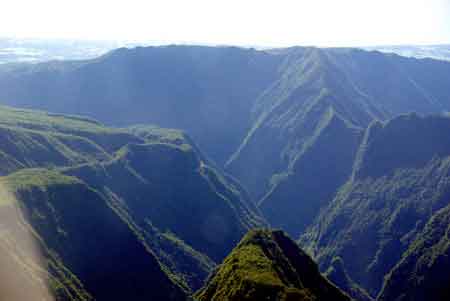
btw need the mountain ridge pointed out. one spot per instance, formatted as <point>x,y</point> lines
<point>267,264</point>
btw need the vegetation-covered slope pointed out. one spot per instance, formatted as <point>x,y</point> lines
<point>292,161</point>
<point>422,273</point>
<point>314,176</point>
<point>29,271</point>
<point>351,82</point>
<point>400,180</point>
<point>171,187</point>
<point>93,242</point>
<point>268,265</point>
<point>40,139</point>
<point>336,273</point>
<point>152,185</point>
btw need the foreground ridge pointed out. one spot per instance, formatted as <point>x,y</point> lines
<point>268,265</point>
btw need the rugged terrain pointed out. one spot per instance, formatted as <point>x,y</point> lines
<point>113,209</point>
<point>344,149</point>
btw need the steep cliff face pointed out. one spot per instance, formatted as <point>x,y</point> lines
<point>337,273</point>
<point>422,272</point>
<point>92,241</point>
<point>29,271</point>
<point>359,86</point>
<point>400,180</point>
<point>172,188</point>
<point>314,176</point>
<point>308,125</point>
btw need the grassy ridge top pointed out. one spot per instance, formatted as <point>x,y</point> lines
<point>37,139</point>
<point>36,177</point>
<point>41,120</point>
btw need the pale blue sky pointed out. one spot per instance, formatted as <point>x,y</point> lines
<point>239,22</point>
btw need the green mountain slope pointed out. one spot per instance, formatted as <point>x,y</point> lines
<point>400,180</point>
<point>40,139</point>
<point>314,176</point>
<point>268,265</point>
<point>291,160</point>
<point>351,82</point>
<point>153,185</point>
<point>29,271</point>
<point>168,185</point>
<point>422,273</point>
<point>92,241</point>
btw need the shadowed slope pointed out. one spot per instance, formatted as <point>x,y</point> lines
<point>400,179</point>
<point>422,273</point>
<point>91,240</point>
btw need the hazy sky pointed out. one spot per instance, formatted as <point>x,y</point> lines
<point>241,22</point>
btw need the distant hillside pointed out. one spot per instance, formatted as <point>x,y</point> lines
<point>437,52</point>
<point>312,179</point>
<point>220,95</point>
<point>17,50</point>
<point>206,91</point>
<point>268,265</point>
<point>301,148</point>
